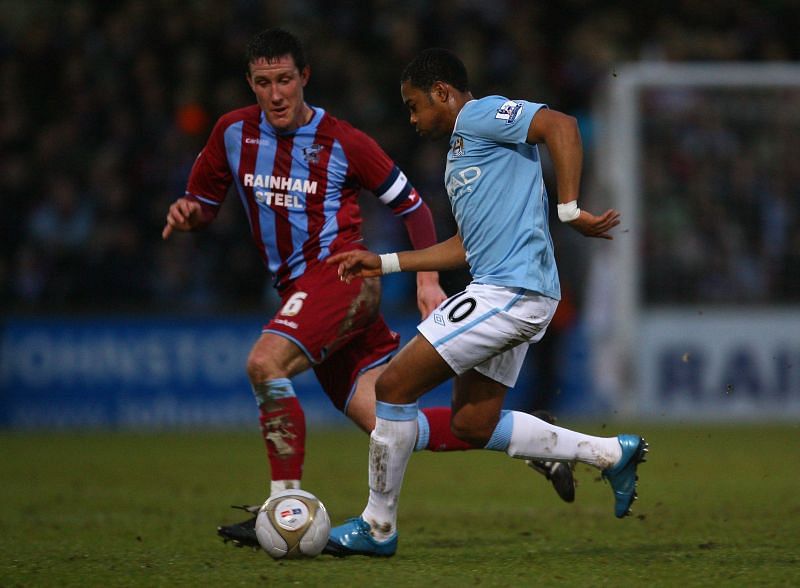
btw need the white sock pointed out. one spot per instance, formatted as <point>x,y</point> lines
<point>533,438</point>
<point>276,486</point>
<point>390,446</point>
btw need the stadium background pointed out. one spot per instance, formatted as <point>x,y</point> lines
<point>105,106</point>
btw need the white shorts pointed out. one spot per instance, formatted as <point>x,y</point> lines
<point>488,328</point>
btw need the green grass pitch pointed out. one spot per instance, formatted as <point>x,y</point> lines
<point>719,506</point>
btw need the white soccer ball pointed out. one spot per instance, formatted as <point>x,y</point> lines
<point>293,523</point>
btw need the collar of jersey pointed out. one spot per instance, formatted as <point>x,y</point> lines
<point>312,124</point>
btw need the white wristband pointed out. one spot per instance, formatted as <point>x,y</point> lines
<point>569,211</point>
<point>390,263</point>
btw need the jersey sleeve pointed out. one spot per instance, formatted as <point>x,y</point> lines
<point>211,176</point>
<point>375,171</point>
<point>498,119</point>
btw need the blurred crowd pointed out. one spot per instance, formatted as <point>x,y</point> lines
<point>722,195</point>
<point>106,104</point>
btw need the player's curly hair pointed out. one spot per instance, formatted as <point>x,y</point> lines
<point>436,65</point>
<point>274,43</point>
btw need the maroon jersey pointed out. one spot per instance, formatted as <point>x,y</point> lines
<point>299,189</point>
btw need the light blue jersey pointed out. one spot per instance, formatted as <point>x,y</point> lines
<point>496,190</point>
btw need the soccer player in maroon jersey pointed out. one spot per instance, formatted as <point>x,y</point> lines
<point>298,172</point>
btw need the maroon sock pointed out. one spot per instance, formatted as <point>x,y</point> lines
<point>440,437</point>
<point>284,431</point>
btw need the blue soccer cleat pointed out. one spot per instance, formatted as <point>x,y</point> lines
<point>622,476</point>
<point>355,538</point>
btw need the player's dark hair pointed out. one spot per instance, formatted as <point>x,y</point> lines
<point>273,44</point>
<point>436,65</point>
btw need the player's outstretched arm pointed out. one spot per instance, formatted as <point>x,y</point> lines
<point>183,215</point>
<point>446,255</point>
<point>561,135</point>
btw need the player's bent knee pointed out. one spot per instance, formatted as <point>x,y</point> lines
<point>255,370</point>
<point>261,368</point>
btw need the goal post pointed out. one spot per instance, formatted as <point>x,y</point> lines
<point>694,309</point>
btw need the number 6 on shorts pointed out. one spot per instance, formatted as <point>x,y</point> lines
<point>294,304</point>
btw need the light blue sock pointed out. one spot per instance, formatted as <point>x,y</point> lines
<point>501,436</point>
<point>271,390</point>
<point>423,431</point>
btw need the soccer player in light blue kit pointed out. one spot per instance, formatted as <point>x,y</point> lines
<point>480,336</point>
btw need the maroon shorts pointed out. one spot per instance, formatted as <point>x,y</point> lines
<point>338,326</point>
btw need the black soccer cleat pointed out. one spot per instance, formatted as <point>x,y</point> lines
<point>560,474</point>
<point>241,534</point>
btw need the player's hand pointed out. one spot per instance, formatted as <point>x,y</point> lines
<point>183,215</point>
<point>596,226</point>
<point>356,264</point>
<point>429,294</point>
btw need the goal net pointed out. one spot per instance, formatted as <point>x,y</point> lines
<point>694,308</point>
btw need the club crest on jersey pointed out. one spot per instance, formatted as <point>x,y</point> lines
<point>311,153</point>
<point>458,147</point>
<point>509,111</point>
